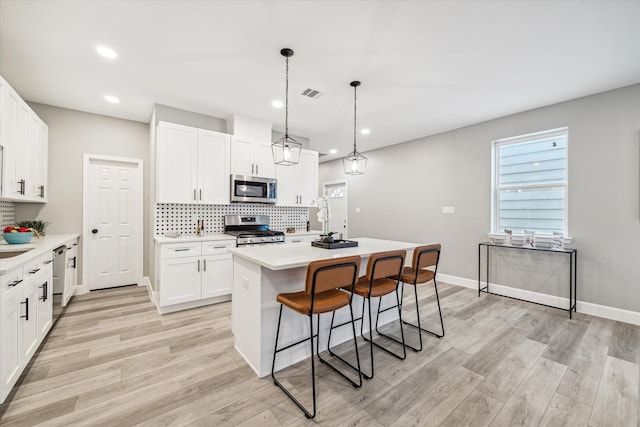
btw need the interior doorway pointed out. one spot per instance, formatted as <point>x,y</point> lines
<point>112,221</point>
<point>337,197</point>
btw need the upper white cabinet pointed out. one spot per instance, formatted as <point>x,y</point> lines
<point>298,184</point>
<point>252,157</point>
<point>192,165</point>
<point>24,141</point>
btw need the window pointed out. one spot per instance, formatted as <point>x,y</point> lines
<point>530,183</point>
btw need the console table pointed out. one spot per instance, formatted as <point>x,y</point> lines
<point>573,266</point>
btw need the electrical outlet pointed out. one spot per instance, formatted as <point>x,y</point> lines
<point>357,210</point>
<point>448,210</point>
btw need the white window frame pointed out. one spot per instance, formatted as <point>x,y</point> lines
<point>495,208</point>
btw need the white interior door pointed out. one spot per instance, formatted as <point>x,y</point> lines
<point>336,194</point>
<point>113,222</point>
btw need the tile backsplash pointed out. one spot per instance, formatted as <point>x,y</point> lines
<point>183,217</point>
<point>7,214</point>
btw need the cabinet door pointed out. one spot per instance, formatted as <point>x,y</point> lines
<point>10,107</point>
<point>263,159</point>
<point>29,320</point>
<point>241,156</point>
<point>71,274</point>
<point>217,275</point>
<point>308,177</point>
<point>23,141</point>
<point>32,159</point>
<point>288,185</point>
<point>45,304</point>
<point>10,348</point>
<point>177,165</point>
<point>180,280</point>
<point>39,162</point>
<point>214,155</point>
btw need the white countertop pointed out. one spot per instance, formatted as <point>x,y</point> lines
<point>37,247</point>
<point>282,257</point>
<point>193,238</point>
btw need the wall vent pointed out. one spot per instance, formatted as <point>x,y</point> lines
<point>311,93</point>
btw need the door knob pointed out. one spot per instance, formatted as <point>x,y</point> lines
<point>94,231</point>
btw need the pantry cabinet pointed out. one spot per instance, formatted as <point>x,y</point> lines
<point>192,165</point>
<point>298,184</point>
<point>194,272</point>
<point>24,142</point>
<point>252,157</point>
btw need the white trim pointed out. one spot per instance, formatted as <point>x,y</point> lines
<point>589,308</point>
<point>139,165</point>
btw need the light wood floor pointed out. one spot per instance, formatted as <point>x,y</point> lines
<point>112,360</point>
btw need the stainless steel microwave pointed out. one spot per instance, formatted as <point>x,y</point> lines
<point>253,189</point>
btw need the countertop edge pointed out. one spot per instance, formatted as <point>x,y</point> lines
<point>39,246</point>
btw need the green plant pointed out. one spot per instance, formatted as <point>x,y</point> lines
<point>36,224</point>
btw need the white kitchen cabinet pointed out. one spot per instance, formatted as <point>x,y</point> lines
<point>193,272</point>
<point>192,165</point>
<point>10,349</point>
<point>44,310</point>
<point>24,141</point>
<point>298,184</point>
<point>252,157</point>
<point>38,147</point>
<point>29,320</point>
<point>301,238</point>
<point>217,269</point>
<point>180,280</point>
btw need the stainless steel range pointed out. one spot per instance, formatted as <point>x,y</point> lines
<point>251,230</point>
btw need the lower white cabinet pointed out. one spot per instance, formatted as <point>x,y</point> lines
<point>25,317</point>
<point>301,238</point>
<point>194,271</point>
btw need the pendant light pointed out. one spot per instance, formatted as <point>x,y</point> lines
<point>354,163</point>
<point>286,150</point>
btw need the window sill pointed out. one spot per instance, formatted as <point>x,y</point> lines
<point>542,239</point>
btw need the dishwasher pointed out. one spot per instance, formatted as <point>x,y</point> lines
<point>64,264</point>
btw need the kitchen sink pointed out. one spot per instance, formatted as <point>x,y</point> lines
<point>11,254</point>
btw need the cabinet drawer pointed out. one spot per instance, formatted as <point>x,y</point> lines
<point>217,247</point>
<point>33,267</point>
<point>9,284</point>
<point>179,250</point>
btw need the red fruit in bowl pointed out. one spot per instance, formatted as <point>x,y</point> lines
<point>8,229</point>
<point>22,230</point>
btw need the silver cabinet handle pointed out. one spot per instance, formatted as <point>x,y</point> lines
<point>181,249</point>
<point>205,265</point>
<point>198,266</point>
<point>257,169</point>
<point>194,194</point>
<point>219,247</point>
<point>252,166</point>
<point>200,194</point>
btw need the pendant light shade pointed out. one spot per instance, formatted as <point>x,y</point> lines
<point>286,150</point>
<point>354,163</point>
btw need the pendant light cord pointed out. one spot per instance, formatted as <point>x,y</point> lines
<point>286,101</point>
<point>355,103</point>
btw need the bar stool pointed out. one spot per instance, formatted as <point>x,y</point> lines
<point>424,257</point>
<point>322,294</point>
<point>382,278</point>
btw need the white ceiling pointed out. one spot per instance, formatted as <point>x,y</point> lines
<point>425,66</point>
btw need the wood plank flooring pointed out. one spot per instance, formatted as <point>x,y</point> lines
<point>113,360</point>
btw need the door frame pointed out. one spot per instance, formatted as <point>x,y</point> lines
<point>346,187</point>
<point>138,164</point>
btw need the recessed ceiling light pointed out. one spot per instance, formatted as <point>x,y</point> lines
<point>107,52</point>
<point>333,151</point>
<point>112,99</point>
<point>365,131</point>
<point>277,104</point>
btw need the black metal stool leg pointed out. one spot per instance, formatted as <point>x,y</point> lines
<point>439,335</point>
<point>313,373</point>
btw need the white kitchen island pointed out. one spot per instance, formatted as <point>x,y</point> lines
<point>262,272</point>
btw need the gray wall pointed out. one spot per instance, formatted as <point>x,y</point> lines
<point>71,134</point>
<point>406,185</point>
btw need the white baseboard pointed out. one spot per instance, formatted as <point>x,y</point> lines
<point>81,289</point>
<point>592,309</point>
